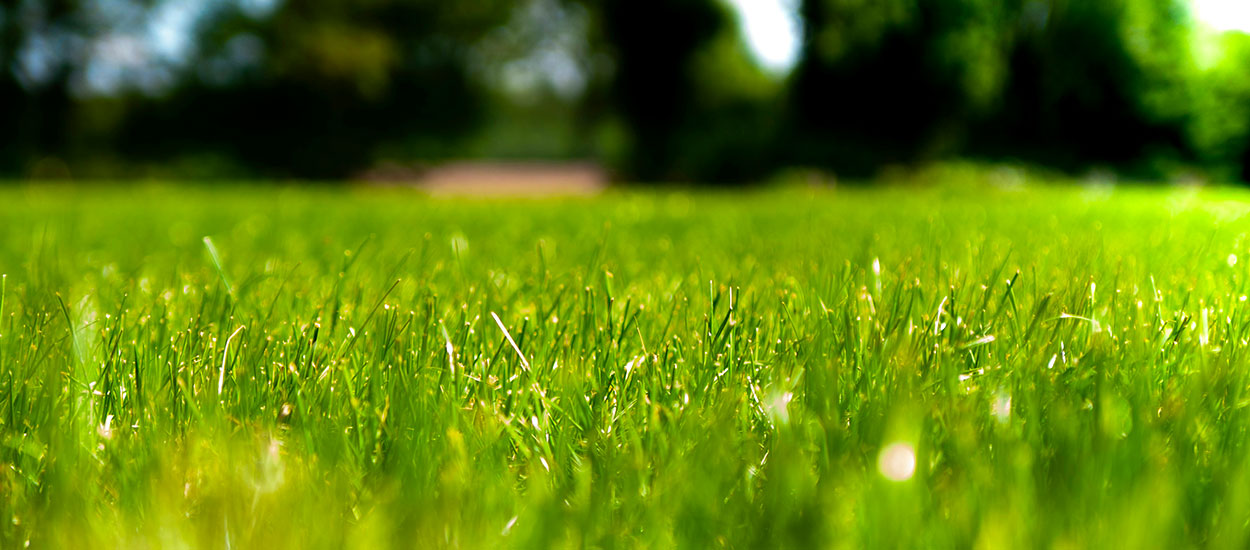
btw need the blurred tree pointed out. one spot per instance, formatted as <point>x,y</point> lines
<point>41,43</point>
<point>1221,124</point>
<point>652,45</point>
<point>1092,81</point>
<point>1063,82</point>
<point>687,101</point>
<point>661,90</point>
<point>887,81</point>
<point>537,67</point>
<point>313,89</point>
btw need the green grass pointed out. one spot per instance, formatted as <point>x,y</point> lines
<point>274,368</point>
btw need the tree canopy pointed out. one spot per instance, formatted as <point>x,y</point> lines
<point>658,90</point>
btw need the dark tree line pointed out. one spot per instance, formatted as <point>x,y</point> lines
<point>662,90</point>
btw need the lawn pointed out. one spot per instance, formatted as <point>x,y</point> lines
<point>948,366</point>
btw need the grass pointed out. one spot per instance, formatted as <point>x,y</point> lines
<point>946,367</point>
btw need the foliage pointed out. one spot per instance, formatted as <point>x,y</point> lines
<point>330,82</point>
<point>657,91</point>
<point>1101,80</point>
<point>1065,83</point>
<point>1221,128</point>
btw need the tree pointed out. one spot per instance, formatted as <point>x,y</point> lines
<point>41,46</point>
<point>892,80</point>
<point>1062,82</point>
<point>1220,128</point>
<point>1092,81</point>
<point>313,89</point>
<point>652,88</point>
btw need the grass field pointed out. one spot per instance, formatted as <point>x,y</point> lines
<point>907,367</point>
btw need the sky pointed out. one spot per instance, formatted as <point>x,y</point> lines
<point>1221,15</point>
<point>773,32</point>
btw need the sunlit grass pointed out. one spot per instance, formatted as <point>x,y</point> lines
<point>903,367</point>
